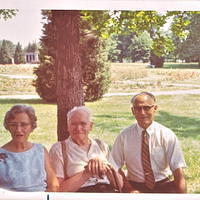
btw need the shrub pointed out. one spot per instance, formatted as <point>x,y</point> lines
<point>96,72</point>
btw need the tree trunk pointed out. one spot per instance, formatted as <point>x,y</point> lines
<point>156,61</point>
<point>69,89</point>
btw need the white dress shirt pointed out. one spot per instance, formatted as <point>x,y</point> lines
<point>165,152</point>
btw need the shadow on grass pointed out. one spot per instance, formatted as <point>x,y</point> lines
<point>181,125</point>
<point>113,123</point>
<point>23,101</point>
<point>125,115</point>
<point>181,66</point>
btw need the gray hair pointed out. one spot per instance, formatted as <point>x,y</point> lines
<point>79,108</point>
<point>143,93</point>
<point>20,108</point>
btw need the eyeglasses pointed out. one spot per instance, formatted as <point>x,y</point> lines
<point>145,108</point>
<point>21,124</point>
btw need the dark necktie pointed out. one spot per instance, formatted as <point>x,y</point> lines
<point>148,173</point>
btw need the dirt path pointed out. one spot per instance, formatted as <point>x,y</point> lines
<point>17,76</point>
<point>175,92</point>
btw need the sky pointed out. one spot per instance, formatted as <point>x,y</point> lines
<point>24,28</point>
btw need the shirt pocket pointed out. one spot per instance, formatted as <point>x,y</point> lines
<point>158,158</point>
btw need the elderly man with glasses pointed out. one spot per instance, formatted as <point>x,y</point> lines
<point>150,151</point>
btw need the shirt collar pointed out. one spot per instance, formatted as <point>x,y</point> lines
<point>149,129</point>
<point>70,139</point>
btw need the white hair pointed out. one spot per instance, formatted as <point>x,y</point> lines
<point>79,108</point>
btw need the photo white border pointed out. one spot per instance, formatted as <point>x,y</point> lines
<point>5,195</point>
<point>158,5</point>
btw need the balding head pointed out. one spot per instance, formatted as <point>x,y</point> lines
<point>148,94</point>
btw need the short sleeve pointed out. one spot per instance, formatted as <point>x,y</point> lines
<point>111,161</point>
<point>56,158</point>
<point>174,154</point>
<point>117,151</point>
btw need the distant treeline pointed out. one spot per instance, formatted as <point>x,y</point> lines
<point>11,53</point>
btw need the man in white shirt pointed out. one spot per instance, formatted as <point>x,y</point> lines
<point>83,164</point>
<point>164,152</point>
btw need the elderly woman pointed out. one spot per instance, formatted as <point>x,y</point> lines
<point>24,166</point>
<point>81,163</point>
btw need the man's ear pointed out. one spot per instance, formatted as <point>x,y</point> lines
<point>155,107</point>
<point>132,109</point>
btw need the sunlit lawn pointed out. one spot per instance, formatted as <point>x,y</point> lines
<point>112,114</point>
<point>25,69</point>
<point>134,77</point>
<point>126,77</point>
<point>181,65</point>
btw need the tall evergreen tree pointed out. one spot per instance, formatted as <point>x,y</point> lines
<point>19,54</point>
<point>4,54</point>
<point>96,71</point>
<point>10,47</point>
<point>45,82</point>
<point>28,49</point>
<point>32,47</point>
<point>94,60</point>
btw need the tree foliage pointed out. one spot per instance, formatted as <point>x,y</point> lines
<point>96,73</point>
<point>140,47</point>
<point>189,48</point>
<point>7,13</point>
<point>112,48</point>
<point>10,47</point>
<point>19,54</point>
<point>45,82</point>
<point>4,54</point>
<point>129,47</point>
<point>32,47</point>
<point>151,22</point>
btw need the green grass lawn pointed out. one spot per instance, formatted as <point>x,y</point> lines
<point>181,66</point>
<point>112,114</point>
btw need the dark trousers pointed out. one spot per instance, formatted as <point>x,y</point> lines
<point>163,186</point>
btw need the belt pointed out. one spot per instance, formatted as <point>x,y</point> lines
<point>157,182</point>
<point>162,181</point>
<point>99,187</point>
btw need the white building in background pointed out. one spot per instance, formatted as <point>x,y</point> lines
<point>31,57</point>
